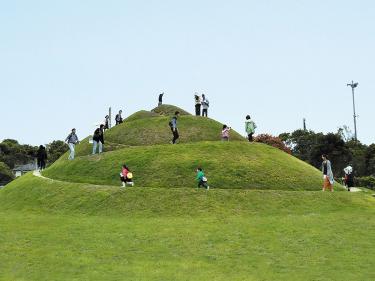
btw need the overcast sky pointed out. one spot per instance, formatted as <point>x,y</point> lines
<point>63,63</point>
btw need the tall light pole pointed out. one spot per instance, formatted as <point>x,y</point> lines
<point>354,85</point>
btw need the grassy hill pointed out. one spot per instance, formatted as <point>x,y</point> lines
<point>52,230</point>
<point>264,218</point>
<point>228,165</point>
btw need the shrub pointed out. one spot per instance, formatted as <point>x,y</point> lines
<point>273,141</point>
<point>368,182</point>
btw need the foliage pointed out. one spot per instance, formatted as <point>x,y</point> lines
<point>12,153</point>
<point>368,182</point>
<point>6,174</point>
<point>272,141</point>
<point>55,150</point>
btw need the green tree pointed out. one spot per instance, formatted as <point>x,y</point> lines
<point>55,150</point>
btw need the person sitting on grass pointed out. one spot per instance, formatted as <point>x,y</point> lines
<point>225,133</point>
<point>201,178</point>
<point>126,176</point>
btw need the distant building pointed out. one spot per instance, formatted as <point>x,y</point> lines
<point>23,169</point>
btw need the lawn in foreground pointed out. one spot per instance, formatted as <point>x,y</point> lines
<point>183,234</point>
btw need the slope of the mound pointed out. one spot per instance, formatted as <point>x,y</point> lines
<point>30,193</point>
<point>144,128</point>
<point>234,165</point>
<point>169,110</point>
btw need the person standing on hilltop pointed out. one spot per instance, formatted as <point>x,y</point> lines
<point>118,118</point>
<point>327,173</point>
<point>106,122</point>
<point>205,105</point>
<point>98,139</point>
<point>197,105</point>
<point>41,156</point>
<point>250,128</point>
<point>174,128</point>
<point>72,140</point>
<point>161,99</point>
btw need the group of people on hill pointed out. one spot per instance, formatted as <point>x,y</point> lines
<point>201,105</point>
<point>126,175</point>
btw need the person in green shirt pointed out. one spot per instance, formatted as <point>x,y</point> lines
<point>201,179</point>
<point>250,128</point>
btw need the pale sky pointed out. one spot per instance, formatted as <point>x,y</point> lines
<point>63,63</point>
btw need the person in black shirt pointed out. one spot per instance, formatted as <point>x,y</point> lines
<point>160,99</point>
<point>41,158</point>
<point>98,139</point>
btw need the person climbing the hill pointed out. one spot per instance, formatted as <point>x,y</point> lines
<point>72,140</point>
<point>98,139</point>
<point>225,133</point>
<point>118,118</point>
<point>327,174</point>
<point>201,179</point>
<point>160,99</point>
<point>41,156</point>
<point>174,128</point>
<point>106,122</point>
<point>197,105</point>
<point>126,176</point>
<point>205,105</point>
<point>250,128</point>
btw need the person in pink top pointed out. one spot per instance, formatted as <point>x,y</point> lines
<point>126,176</point>
<point>225,133</point>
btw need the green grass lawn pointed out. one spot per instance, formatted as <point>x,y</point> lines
<point>52,230</point>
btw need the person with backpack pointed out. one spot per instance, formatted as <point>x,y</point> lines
<point>201,179</point>
<point>98,139</point>
<point>160,99</point>
<point>41,156</point>
<point>72,140</point>
<point>205,105</point>
<point>118,118</point>
<point>250,128</point>
<point>225,133</point>
<point>126,176</point>
<point>197,105</point>
<point>174,128</point>
<point>328,179</point>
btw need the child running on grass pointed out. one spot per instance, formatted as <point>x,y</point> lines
<point>126,176</point>
<point>225,133</point>
<point>201,179</point>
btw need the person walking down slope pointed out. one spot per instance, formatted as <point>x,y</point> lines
<point>197,105</point>
<point>225,133</point>
<point>205,105</point>
<point>174,128</point>
<point>41,158</point>
<point>118,118</point>
<point>201,179</point>
<point>98,139</point>
<point>328,179</point>
<point>250,128</point>
<point>160,99</point>
<point>72,140</point>
<point>126,176</point>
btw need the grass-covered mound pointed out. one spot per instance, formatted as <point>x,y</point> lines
<point>145,128</point>
<point>52,230</point>
<point>231,165</point>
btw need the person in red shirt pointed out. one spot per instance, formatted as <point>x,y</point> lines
<point>126,176</point>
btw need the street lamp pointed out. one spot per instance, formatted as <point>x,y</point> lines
<point>354,85</point>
